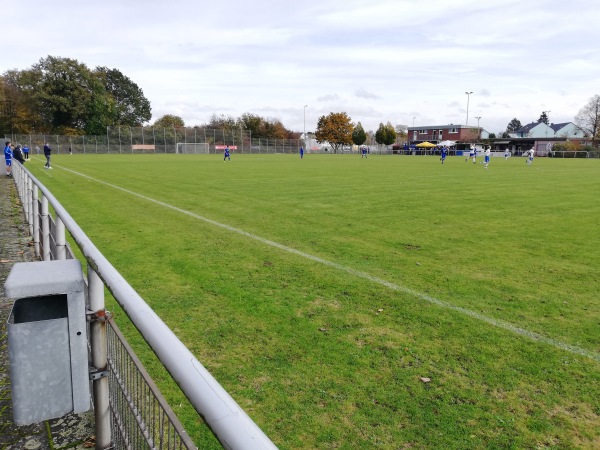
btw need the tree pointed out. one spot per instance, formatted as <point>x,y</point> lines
<point>544,118</point>
<point>252,123</point>
<point>402,132</point>
<point>358,134</point>
<point>492,136</point>
<point>67,93</point>
<point>169,121</point>
<point>336,128</point>
<point>588,118</point>
<point>131,108</point>
<point>222,122</point>
<point>62,95</point>
<point>513,126</point>
<point>385,134</point>
<point>17,109</point>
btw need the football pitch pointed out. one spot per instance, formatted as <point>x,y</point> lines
<point>387,302</point>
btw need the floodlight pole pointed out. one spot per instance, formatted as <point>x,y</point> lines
<point>468,97</point>
<point>305,127</point>
<point>478,129</point>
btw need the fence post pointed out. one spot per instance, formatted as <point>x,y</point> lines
<point>45,229</point>
<point>36,222</point>
<point>99,352</point>
<point>30,215</point>
<point>59,239</point>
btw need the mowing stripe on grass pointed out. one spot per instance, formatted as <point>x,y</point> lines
<point>474,314</point>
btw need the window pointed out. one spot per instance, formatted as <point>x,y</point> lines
<point>453,130</point>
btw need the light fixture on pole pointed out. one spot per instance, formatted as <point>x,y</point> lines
<point>305,125</point>
<point>468,97</point>
<point>478,129</point>
<point>414,121</point>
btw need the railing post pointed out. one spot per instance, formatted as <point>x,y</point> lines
<point>45,229</point>
<point>36,221</point>
<point>30,217</point>
<point>59,239</point>
<point>99,360</point>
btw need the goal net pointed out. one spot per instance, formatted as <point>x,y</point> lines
<point>184,147</point>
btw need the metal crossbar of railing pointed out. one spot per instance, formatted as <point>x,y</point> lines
<point>130,412</point>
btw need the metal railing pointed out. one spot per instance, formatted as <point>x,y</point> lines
<point>141,417</point>
<point>129,410</point>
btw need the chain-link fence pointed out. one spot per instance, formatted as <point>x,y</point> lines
<point>157,140</point>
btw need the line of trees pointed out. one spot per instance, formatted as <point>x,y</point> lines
<point>63,96</point>
<point>338,130</point>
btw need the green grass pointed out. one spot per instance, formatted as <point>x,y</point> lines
<point>326,356</point>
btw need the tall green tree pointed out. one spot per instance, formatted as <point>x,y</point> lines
<point>130,106</point>
<point>385,134</point>
<point>359,136</point>
<point>66,90</point>
<point>544,118</point>
<point>512,126</point>
<point>335,128</point>
<point>588,118</point>
<point>62,95</point>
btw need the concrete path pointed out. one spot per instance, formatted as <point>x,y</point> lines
<point>72,431</point>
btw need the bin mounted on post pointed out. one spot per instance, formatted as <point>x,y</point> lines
<point>47,340</point>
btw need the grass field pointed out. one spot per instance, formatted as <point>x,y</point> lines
<point>346,303</point>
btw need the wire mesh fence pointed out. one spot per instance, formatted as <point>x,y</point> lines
<point>140,416</point>
<point>130,140</point>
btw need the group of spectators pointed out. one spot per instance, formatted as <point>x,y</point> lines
<point>21,154</point>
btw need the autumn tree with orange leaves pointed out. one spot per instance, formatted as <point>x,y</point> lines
<point>336,128</point>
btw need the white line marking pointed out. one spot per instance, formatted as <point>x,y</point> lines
<point>467,312</point>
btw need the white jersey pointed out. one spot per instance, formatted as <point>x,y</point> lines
<point>530,153</point>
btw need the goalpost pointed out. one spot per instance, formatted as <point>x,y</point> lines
<point>185,147</point>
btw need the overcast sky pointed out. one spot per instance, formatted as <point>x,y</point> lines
<point>376,60</point>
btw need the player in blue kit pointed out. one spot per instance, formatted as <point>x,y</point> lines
<point>8,158</point>
<point>226,155</point>
<point>364,152</point>
<point>444,154</point>
<point>26,152</point>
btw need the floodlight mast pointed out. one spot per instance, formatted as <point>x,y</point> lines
<point>468,97</point>
<point>305,126</point>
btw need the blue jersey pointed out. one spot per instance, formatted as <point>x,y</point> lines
<point>7,153</point>
<point>25,149</point>
<point>444,153</point>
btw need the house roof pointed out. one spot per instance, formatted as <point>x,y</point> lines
<point>528,127</point>
<point>558,126</point>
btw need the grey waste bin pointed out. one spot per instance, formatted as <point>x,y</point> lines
<point>47,340</point>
